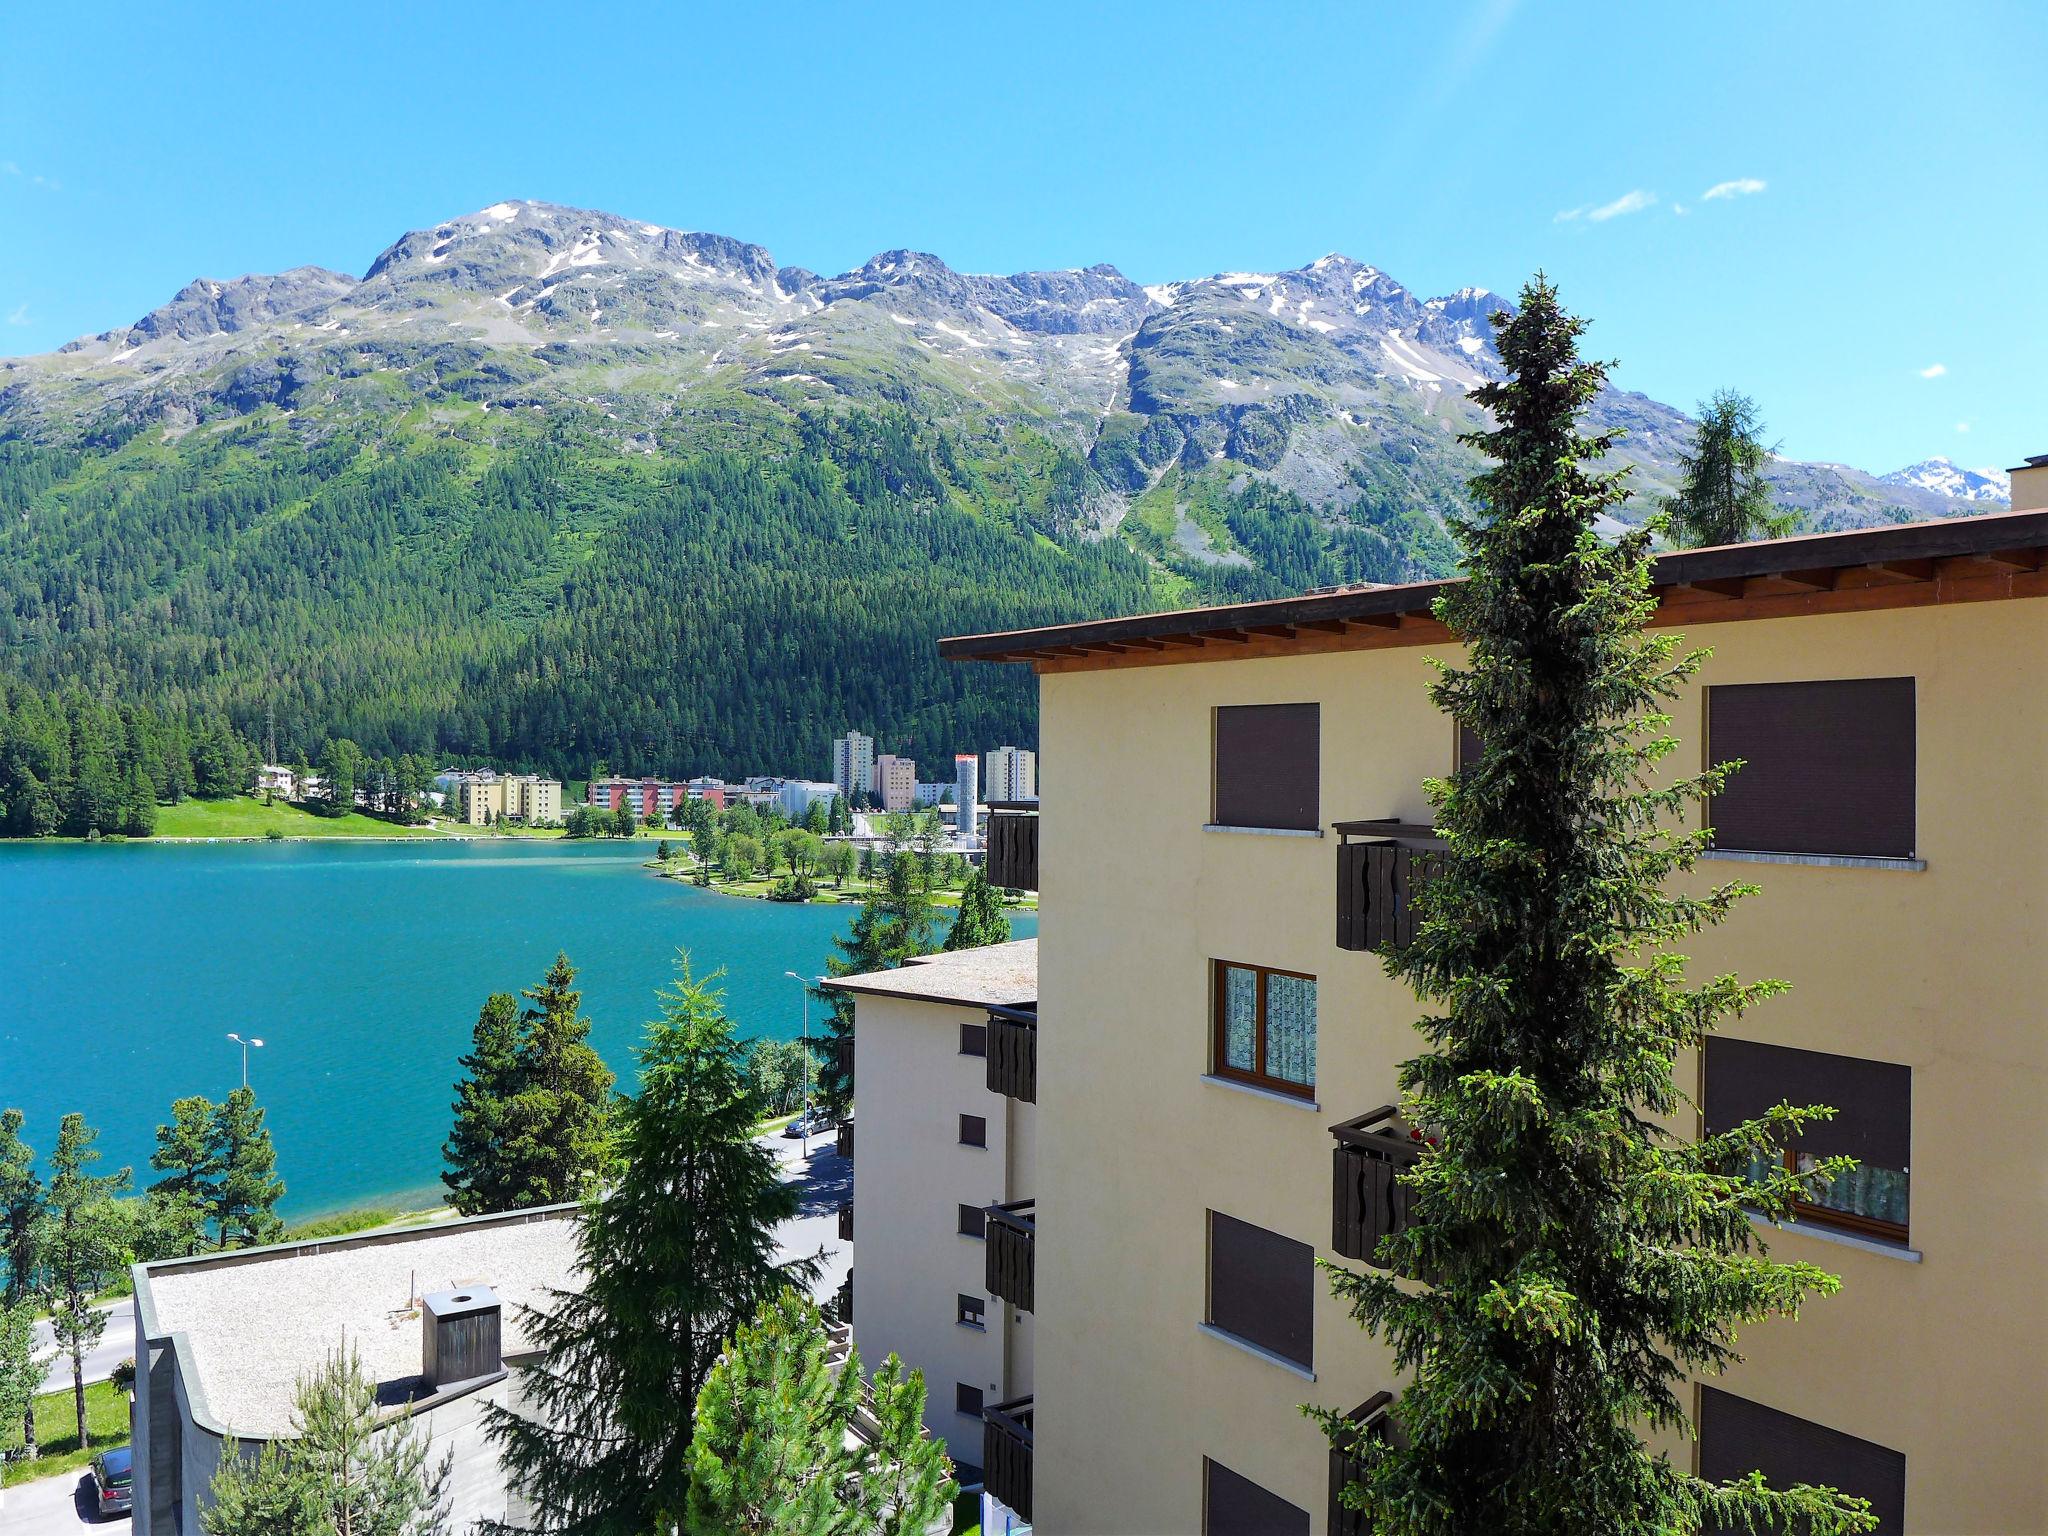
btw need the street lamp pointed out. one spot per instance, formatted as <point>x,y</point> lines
<point>245,1044</point>
<point>806,1121</point>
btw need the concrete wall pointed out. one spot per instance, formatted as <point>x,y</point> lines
<point>2030,488</point>
<point>911,1175</point>
<point>1942,968</point>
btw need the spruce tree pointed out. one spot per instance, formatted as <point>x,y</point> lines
<point>247,1190</point>
<point>83,1244</point>
<point>21,1366</point>
<point>1581,1261</point>
<point>179,1203</point>
<point>1723,497</point>
<point>980,920</point>
<point>680,1252</point>
<point>771,1453</point>
<point>480,1175</point>
<point>21,1229</point>
<point>559,1127</point>
<point>343,1472</point>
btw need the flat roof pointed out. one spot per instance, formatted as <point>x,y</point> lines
<point>256,1320</point>
<point>996,975</point>
<point>1899,565</point>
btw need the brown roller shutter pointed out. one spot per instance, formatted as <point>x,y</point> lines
<point>1236,1506</point>
<point>1470,747</point>
<point>1828,767</point>
<point>1268,765</point>
<point>1872,1100</point>
<point>1262,1288</point>
<point>1738,1437</point>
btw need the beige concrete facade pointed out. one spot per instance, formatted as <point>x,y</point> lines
<point>896,782</point>
<point>912,1175</point>
<point>2030,484</point>
<point>1939,1352</point>
<point>481,799</point>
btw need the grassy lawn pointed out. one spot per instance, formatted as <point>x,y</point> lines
<point>773,1125</point>
<point>106,1417</point>
<point>243,816</point>
<point>967,1515</point>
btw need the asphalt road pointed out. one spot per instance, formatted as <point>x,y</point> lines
<point>115,1345</point>
<point>60,1505</point>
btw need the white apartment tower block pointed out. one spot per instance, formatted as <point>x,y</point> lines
<point>853,764</point>
<point>1010,773</point>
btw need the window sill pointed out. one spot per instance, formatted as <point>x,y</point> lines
<point>1291,1100</point>
<point>1817,860</point>
<point>1217,826</point>
<point>1827,1234</point>
<point>971,1327</point>
<point>1255,1351</point>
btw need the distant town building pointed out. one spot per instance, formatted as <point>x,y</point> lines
<point>710,790</point>
<point>966,793</point>
<point>1010,773</point>
<point>896,782</point>
<point>480,798</point>
<point>797,796</point>
<point>935,793</point>
<point>277,779</point>
<point>640,796</point>
<point>853,764</point>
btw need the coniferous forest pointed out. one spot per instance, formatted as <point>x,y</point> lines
<point>546,599</point>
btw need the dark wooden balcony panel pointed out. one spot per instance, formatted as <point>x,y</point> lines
<point>1012,860</point>
<point>1368,1421</point>
<point>1377,881</point>
<point>1009,1260</point>
<point>1006,1453</point>
<point>846,1222</point>
<point>1368,1202</point>
<point>1013,1053</point>
<point>846,1138</point>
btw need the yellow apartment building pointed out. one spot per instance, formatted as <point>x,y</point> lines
<point>1214,1102</point>
<point>480,798</point>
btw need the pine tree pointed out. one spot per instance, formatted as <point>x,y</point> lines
<point>179,1204</point>
<point>980,919</point>
<point>894,924</point>
<point>21,1367</point>
<point>21,1232</point>
<point>771,1456</point>
<point>1581,1262</point>
<point>480,1176</point>
<point>558,1129</point>
<point>677,1255</point>
<point>247,1189</point>
<point>1723,497</point>
<point>342,1473</point>
<point>83,1245</point>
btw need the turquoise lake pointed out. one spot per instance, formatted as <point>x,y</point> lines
<point>362,967</point>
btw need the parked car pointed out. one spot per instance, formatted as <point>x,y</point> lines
<point>816,1125</point>
<point>113,1482</point>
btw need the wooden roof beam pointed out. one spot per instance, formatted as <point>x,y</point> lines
<point>1885,573</point>
<point>1229,636</point>
<point>1718,588</point>
<point>1782,583</point>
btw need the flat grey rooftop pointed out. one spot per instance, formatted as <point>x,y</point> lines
<point>256,1323</point>
<point>999,975</point>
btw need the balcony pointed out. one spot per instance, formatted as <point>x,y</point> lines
<point>1006,1453</point>
<point>1008,1264</point>
<point>1370,1420</point>
<point>846,1222</point>
<point>1368,1201</point>
<point>1380,867</point>
<point>1012,860</point>
<point>846,1137</point>
<point>1013,1053</point>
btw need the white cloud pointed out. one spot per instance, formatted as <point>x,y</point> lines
<point>1678,208</point>
<point>1628,202</point>
<point>13,168</point>
<point>1962,426</point>
<point>1742,186</point>
<point>1934,370</point>
<point>18,315</point>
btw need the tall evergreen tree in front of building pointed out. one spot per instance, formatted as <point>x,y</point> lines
<point>481,1174</point>
<point>21,1229</point>
<point>83,1245</point>
<point>1724,498</point>
<point>680,1252</point>
<point>980,920</point>
<point>248,1189</point>
<point>894,924</point>
<point>1581,1263</point>
<point>558,1125</point>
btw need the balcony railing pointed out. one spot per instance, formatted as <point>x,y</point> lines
<point>1368,1200</point>
<point>1013,1053</point>
<point>1370,1420</point>
<point>1008,1263</point>
<point>846,1137</point>
<point>1012,861</point>
<point>1006,1453</point>
<point>846,1222</point>
<point>1380,867</point>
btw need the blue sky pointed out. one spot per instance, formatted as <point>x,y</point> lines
<point>1870,268</point>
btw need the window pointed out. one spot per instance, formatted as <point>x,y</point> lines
<point>1470,748</point>
<point>1237,1506</point>
<point>1873,1123</point>
<point>1268,764</point>
<point>973,1221</point>
<point>1265,1027</point>
<point>1262,1288</point>
<point>967,1399</point>
<point>1738,1437</point>
<point>973,1039</point>
<point>1828,768</point>
<point>973,1131</point>
<point>968,1314</point>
